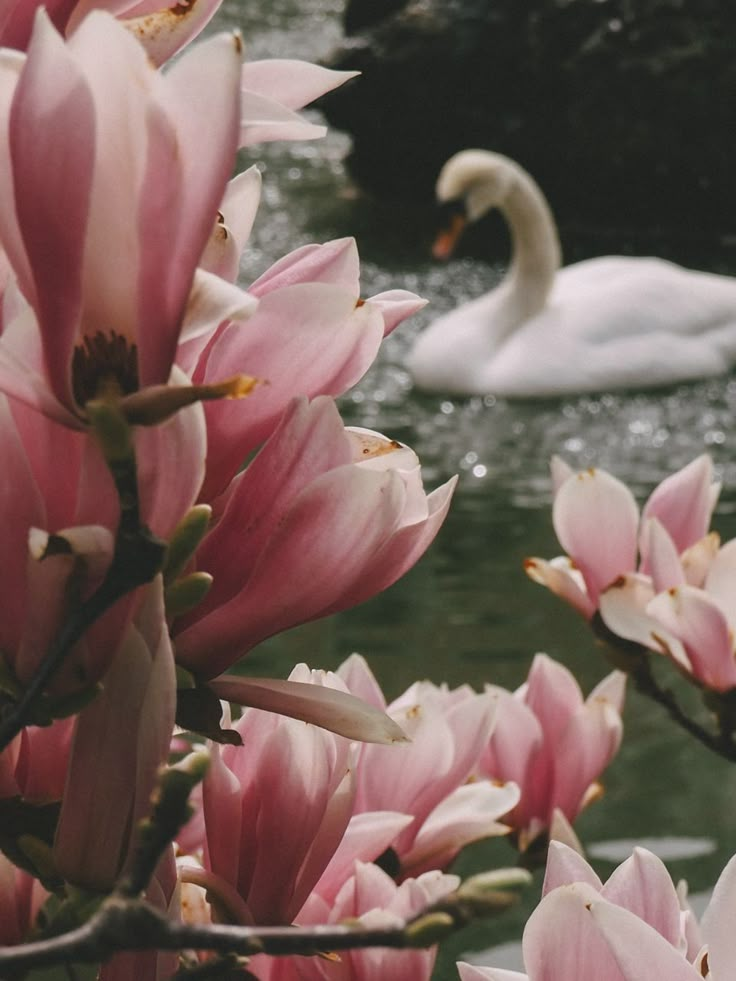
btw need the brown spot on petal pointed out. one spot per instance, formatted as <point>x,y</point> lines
<point>371,446</point>
<point>238,41</point>
<point>414,712</point>
<point>359,303</point>
<point>704,968</point>
<point>618,583</point>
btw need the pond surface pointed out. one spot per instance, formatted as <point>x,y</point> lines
<point>467,612</point>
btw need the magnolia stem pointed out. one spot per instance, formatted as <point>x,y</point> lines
<point>131,924</point>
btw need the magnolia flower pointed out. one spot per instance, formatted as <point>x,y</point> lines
<point>553,744</point>
<point>274,811</point>
<point>630,929</point>
<point>597,522</point>
<point>105,248</point>
<point>426,777</point>
<point>322,519</point>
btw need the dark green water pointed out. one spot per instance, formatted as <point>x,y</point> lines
<point>467,612</point>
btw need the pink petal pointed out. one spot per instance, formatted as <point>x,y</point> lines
<point>699,623</point>
<point>561,939</point>
<point>164,32</point>
<point>302,338</point>
<point>554,696</point>
<point>640,952</point>
<point>565,866</point>
<point>326,707</point>
<point>399,552</point>
<point>643,886</point>
<point>684,502</point>
<point>361,681</point>
<point>720,581</point>
<point>334,262</point>
<point>309,441</point>
<point>120,741</point>
<point>265,119</point>
<point>625,611</point>
<point>290,82</point>
<point>562,579</point>
<point>717,924</point>
<point>221,801</point>
<point>22,506</point>
<point>53,204</point>
<point>697,559</point>
<point>559,472</point>
<point>596,518</point>
<point>396,306</point>
<point>591,739</point>
<point>367,836</point>
<point>660,557</point>
<point>171,465</point>
<point>470,972</point>
<point>204,150</point>
<point>470,813</point>
<point>238,210</point>
<point>334,526</point>
<point>612,688</point>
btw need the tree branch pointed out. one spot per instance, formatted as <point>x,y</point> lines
<point>123,924</point>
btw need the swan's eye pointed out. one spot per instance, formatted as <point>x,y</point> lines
<point>447,211</point>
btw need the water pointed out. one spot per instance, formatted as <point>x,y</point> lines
<point>467,612</point>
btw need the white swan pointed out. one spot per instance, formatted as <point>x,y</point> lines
<point>607,323</point>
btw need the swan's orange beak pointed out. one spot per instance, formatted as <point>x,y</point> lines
<point>447,239</point>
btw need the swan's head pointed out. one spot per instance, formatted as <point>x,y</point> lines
<point>470,184</point>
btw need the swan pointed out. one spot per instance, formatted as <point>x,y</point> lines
<point>614,322</point>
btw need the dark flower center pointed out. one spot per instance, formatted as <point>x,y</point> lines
<point>104,363</point>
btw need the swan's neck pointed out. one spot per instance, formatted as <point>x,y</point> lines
<point>536,251</point>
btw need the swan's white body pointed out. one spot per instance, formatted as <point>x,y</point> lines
<point>607,323</point>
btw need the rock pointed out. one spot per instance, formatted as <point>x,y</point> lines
<point>624,110</point>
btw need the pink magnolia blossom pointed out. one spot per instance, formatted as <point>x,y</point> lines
<point>105,249</point>
<point>274,810</point>
<point>629,929</point>
<point>426,778</point>
<point>597,522</point>
<point>553,744</point>
<point>322,519</point>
